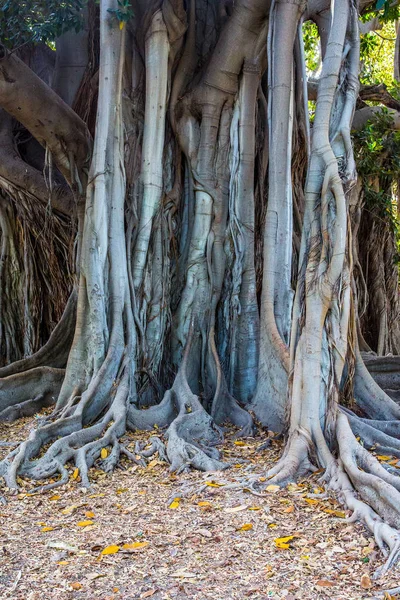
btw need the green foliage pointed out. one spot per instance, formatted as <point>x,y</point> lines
<point>123,13</point>
<point>377,154</point>
<point>311,46</point>
<point>377,55</point>
<point>24,21</point>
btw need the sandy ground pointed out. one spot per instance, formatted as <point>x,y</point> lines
<point>145,533</point>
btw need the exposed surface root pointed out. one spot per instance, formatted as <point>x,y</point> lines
<point>29,391</point>
<point>361,483</point>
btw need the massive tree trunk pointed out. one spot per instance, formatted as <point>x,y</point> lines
<point>201,114</point>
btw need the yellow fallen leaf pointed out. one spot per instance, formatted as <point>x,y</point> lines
<point>336,513</point>
<point>152,463</point>
<point>272,488</point>
<point>96,495</point>
<point>311,501</point>
<point>135,545</point>
<point>44,529</point>
<point>254,507</point>
<point>121,25</point>
<point>84,523</point>
<point>104,453</point>
<point>383,457</point>
<point>89,514</point>
<point>55,497</point>
<point>204,503</point>
<point>305,557</point>
<point>272,525</point>
<point>63,562</point>
<point>111,549</point>
<point>283,542</point>
<point>175,503</point>
<point>262,479</point>
<point>239,443</point>
<point>289,509</point>
<point>75,474</point>
<point>245,527</point>
<point>214,484</point>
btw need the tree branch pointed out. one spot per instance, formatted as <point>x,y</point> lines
<point>52,122</point>
<point>17,174</point>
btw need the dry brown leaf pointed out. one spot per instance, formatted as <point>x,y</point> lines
<point>76,585</point>
<point>366,582</point>
<point>289,509</point>
<point>235,509</point>
<point>324,583</point>
<point>148,593</point>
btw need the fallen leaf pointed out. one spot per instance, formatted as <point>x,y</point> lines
<point>214,484</point>
<point>93,576</point>
<point>289,509</point>
<point>89,514</point>
<point>272,488</point>
<point>324,583</point>
<point>272,525</point>
<point>283,542</point>
<point>175,503</point>
<point>44,529</point>
<point>239,443</point>
<point>235,509</point>
<point>110,550</point>
<point>62,546</point>
<point>76,585</point>
<point>84,523</point>
<point>337,513</point>
<point>148,593</point>
<point>366,582</point>
<point>245,527</point>
<point>55,497</point>
<point>135,545</point>
<point>311,501</point>
<point>104,453</point>
<point>254,507</point>
<point>75,474</point>
<point>204,532</point>
<point>384,457</point>
<point>204,503</point>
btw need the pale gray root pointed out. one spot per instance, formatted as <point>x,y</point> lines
<point>39,386</point>
<point>71,443</point>
<point>55,352</point>
<point>382,436</point>
<point>379,507</point>
<point>192,434</point>
<point>370,397</point>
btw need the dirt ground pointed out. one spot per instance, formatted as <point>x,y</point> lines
<point>145,533</point>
